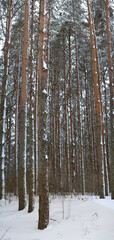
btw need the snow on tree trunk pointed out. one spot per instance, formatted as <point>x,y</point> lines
<point>98,104</point>
<point>42,124</point>
<point>111,97</point>
<point>30,127</point>
<point>3,91</point>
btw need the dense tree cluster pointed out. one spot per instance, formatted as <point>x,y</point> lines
<point>56,100</point>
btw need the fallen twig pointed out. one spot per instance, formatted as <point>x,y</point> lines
<point>53,219</point>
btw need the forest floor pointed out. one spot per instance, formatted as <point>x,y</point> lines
<point>71,218</point>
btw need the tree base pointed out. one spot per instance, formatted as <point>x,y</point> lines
<point>30,209</point>
<point>112,196</point>
<point>21,206</point>
<point>101,196</point>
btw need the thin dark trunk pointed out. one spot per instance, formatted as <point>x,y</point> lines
<point>65,109</point>
<point>30,140</point>
<point>71,123</point>
<point>16,123</point>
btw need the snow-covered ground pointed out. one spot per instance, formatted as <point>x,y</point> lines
<point>76,218</point>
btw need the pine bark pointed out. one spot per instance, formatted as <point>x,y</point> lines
<point>42,124</point>
<point>53,134</point>
<point>4,80</point>
<point>107,131</point>
<point>16,123</point>
<point>71,122</point>
<point>58,123</point>
<point>65,111</point>
<point>104,153</point>
<point>30,140</point>
<point>111,98</point>
<point>22,114</point>
<point>36,118</point>
<point>98,106</point>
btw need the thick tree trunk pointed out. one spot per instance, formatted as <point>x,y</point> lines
<point>22,114</point>
<point>98,104</point>
<point>106,176</point>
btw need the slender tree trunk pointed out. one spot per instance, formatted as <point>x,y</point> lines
<point>53,134</point>
<point>98,108</point>
<point>111,98</point>
<point>102,120</point>
<point>59,142</point>
<point>65,109</point>
<point>93,123</point>
<point>106,176</point>
<point>107,130</point>
<point>3,91</point>
<point>22,114</point>
<point>87,162</point>
<point>71,123</point>
<point>36,119</point>
<point>30,141</point>
<point>78,105</point>
<point>6,161</point>
<point>9,157</point>
<point>16,123</point>
<point>42,124</point>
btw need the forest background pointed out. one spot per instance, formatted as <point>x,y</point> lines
<point>56,100</point>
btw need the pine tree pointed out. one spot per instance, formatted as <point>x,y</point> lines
<point>42,123</point>
<point>22,114</point>
<point>4,84</point>
<point>111,97</point>
<point>30,127</point>
<point>98,104</point>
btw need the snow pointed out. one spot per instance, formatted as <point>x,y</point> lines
<point>81,218</point>
<point>44,65</point>
<point>44,30</point>
<point>45,12</point>
<point>44,91</point>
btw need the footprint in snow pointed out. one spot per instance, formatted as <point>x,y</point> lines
<point>94,221</point>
